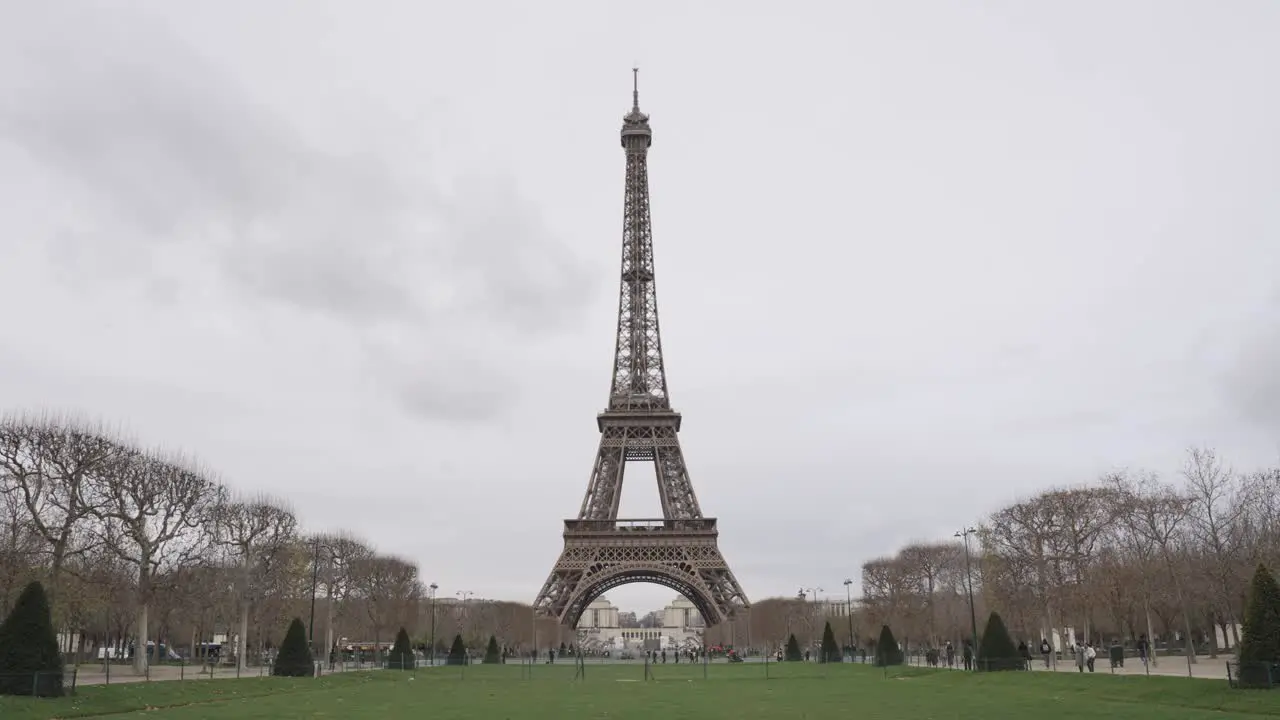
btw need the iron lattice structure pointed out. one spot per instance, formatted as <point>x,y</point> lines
<point>679,550</point>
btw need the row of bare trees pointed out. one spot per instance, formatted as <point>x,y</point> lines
<point>1130,555</point>
<point>136,546</point>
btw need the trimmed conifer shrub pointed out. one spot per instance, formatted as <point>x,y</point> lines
<point>492,655</point>
<point>887,650</point>
<point>792,652</point>
<point>294,658</point>
<point>401,656</point>
<point>1259,653</point>
<point>457,652</point>
<point>30,663</point>
<point>830,648</point>
<point>997,652</point>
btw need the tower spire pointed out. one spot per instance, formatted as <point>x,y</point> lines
<point>639,378</point>
<point>635,124</point>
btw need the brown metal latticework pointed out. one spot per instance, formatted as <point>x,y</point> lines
<point>680,549</point>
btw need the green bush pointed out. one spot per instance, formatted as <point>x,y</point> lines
<point>887,650</point>
<point>30,663</point>
<point>492,655</point>
<point>401,656</point>
<point>792,653</point>
<point>457,652</point>
<point>997,651</point>
<point>1259,653</point>
<point>294,658</point>
<point>830,648</point>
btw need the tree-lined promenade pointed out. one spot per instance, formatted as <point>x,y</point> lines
<point>1131,555</point>
<point>136,546</point>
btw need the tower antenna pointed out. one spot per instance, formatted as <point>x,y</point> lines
<point>635,88</point>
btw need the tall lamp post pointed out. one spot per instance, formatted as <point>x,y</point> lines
<point>813,592</point>
<point>432,588</point>
<point>968,573</point>
<point>848,611</point>
<point>464,595</point>
<point>315,577</point>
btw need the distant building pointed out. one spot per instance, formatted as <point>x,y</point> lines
<point>830,607</point>
<point>681,613</point>
<point>599,614</point>
<point>679,624</point>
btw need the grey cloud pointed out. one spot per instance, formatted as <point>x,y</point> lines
<point>1251,387</point>
<point>909,301</point>
<point>187,161</point>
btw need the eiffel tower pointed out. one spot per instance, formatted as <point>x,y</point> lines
<point>678,550</point>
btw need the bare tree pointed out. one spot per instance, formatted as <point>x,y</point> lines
<point>1156,515</point>
<point>1026,535</point>
<point>19,548</point>
<point>51,466</point>
<point>1133,512</point>
<point>927,565</point>
<point>1215,524</point>
<point>388,586</point>
<point>152,511</point>
<point>255,532</point>
<point>1084,516</point>
<point>888,591</point>
<point>344,557</point>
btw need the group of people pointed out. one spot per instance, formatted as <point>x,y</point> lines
<point>1086,654</point>
<point>656,656</point>
<point>934,658</point>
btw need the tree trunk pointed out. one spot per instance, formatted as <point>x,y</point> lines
<point>1049,629</point>
<point>140,641</point>
<point>242,639</point>
<point>1151,646</point>
<point>328,626</point>
<point>1213,636</point>
<point>55,573</point>
<point>144,603</point>
<point>1190,645</point>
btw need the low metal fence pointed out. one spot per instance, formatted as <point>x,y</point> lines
<point>1253,675</point>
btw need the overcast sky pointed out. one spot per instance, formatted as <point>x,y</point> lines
<point>915,259</point>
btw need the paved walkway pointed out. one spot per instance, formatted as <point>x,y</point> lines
<point>93,674</point>
<point>1171,666</point>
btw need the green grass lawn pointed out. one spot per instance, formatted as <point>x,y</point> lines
<point>620,693</point>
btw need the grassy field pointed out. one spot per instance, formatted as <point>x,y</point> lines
<point>620,693</point>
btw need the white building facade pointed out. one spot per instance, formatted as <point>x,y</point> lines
<point>682,626</point>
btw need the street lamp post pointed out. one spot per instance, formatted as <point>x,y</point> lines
<point>464,595</point>
<point>315,577</point>
<point>431,650</point>
<point>813,591</point>
<point>968,573</point>
<point>848,611</point>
